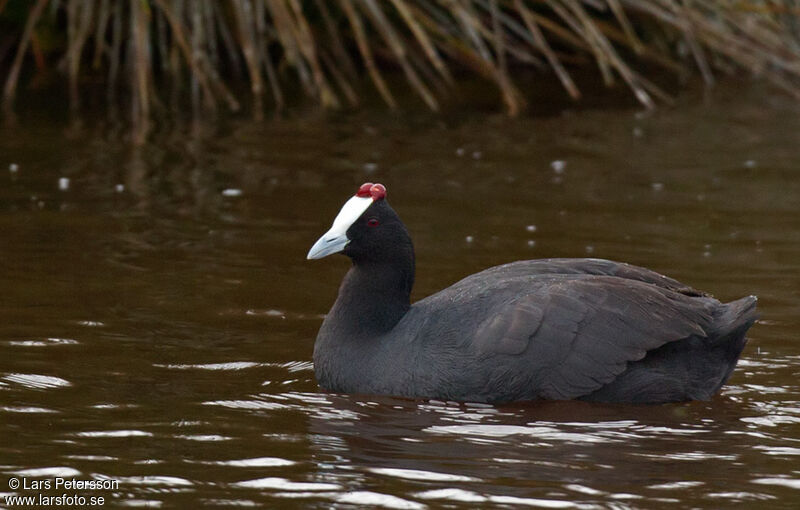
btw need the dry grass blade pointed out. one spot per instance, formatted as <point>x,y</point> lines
<point>473,29</point>
<point>622,68</point>
<point>470,25</point>
<point>216,82</point>
<point>247,39</point>
<point>10,87</point>
<point>180,39</point>
<point>366,52</point>
<point>745,44</point>
<point>79,18</point>
<point>339,78</point>
<point>226,39</point>
<point>626,25</point>
<point>201,47</point>
<point>286,32</point>
<point>103,14</point>
<point>450,40</point>
<point>587,37</point>
<point>387,32</point>
<point>262,51</point>
<point>335,37</point>
<point>210,28</point>
<point>613,34</point>
<point>512,100</point>
<point>760,41</point>
<point>513,30</point>
<point>308,47</point>
<point>544,47</point>
<point>115,51</point>
<point>422,38</point>
<point>141,98</point>
<point>691,41</point>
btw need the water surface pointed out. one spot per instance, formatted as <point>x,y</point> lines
<point>158,315</point>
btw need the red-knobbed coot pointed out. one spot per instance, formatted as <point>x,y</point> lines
<point>557,329</point>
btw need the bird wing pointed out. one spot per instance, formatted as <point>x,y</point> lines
<point>597,267</point>
<point>577,334</point>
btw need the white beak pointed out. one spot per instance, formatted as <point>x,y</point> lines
<point>327,245</point>
<point>335,239</point>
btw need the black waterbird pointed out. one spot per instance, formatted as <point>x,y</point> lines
<point>555,329</point>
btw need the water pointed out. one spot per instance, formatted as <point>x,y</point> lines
<point>157,313</point>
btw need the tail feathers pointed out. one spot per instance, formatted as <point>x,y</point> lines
<point>736,318</point>
<point>693,368</point>
<point>729,339</point>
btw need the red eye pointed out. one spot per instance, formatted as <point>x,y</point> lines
<point>373,222</point>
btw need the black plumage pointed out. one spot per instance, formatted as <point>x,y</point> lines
<point>556,329</point>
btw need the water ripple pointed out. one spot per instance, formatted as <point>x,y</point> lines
<point>367,498</point>
<point>37,381</point>
<point>464,496</point>
<point>171,481</point>
<point>228,503</point>
<point>286,485</point>
<point>676,485</point>
<point>92,457</point>
<point>771,421</point>
<point>232,365</point>
<point>142,503</point>
<point>417,474</point>
<point>778,450</point>
<point>254,462</point>
<point>26,409</point>
<point>48,472</point>
<point>203,437</point>
<point>792,483</point>
<point>696,456</point>
<point>544,433</point>
<point>45,342</point>
<point>453,495</point>
<point>297,366</point>
<point>582,489</point>
<point>245,404</point>
<point>740,496</point>
<point>115,433</point>
<point>359,498</point>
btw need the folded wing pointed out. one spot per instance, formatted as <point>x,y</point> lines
<point>581,333</point>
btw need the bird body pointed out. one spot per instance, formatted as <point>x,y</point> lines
<point>552,329</point>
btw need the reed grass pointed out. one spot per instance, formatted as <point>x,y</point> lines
<point>152,54</point>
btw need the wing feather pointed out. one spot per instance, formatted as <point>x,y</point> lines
<point>580,333</point>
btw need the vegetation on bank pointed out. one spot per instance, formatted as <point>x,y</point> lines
<point>153,54</point>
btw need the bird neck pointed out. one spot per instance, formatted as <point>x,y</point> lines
<point>374,296</point>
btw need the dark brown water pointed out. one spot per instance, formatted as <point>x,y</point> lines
<point>157,316</point>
